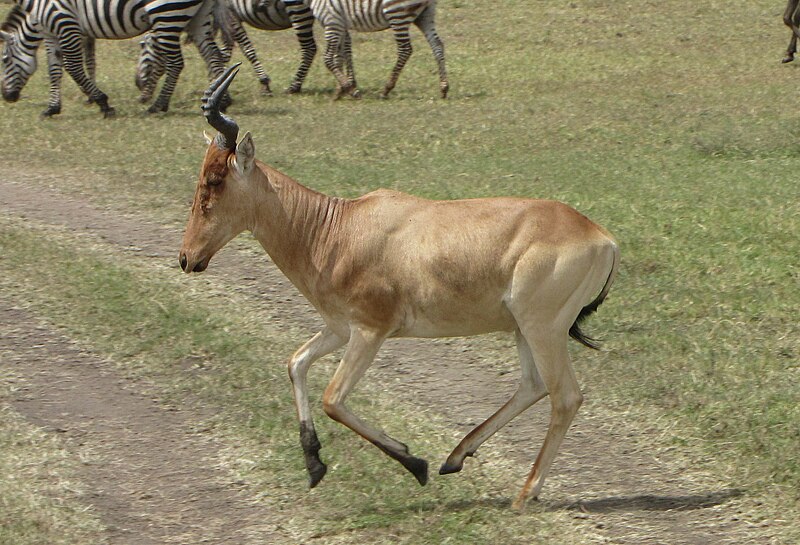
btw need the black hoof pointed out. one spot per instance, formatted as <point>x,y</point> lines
<point>418,467</point>
<point>316,471</point>
<point>109,113</point>
<point>448,468</point>
<point>51,111</point>
<point>156,108</point>
<point>788,58</point>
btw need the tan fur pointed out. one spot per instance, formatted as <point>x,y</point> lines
<point>389,264</point>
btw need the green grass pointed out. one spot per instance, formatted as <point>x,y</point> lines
<point>670,124</point>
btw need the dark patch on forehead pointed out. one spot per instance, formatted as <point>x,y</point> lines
<point>215,164</point>
<point>212,174</point>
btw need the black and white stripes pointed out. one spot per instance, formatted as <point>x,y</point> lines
<point>267,15</point>
<point>70,25</point>
<point>338,17</point>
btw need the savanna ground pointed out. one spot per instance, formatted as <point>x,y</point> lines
<point>140,405</point>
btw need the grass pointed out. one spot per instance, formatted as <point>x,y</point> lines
<point>40,498</point>
<point>671,125</point>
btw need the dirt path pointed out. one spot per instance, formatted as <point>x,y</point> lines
<point>618,481</point>
<point>150,470</point>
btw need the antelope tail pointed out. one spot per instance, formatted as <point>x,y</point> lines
<point>575,331</point>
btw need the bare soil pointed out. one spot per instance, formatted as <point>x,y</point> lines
<point>158,482</point>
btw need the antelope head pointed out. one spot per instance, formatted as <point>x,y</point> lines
<point>223,200</point>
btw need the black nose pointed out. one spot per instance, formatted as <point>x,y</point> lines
<point>11,96</point>
<point>184,261</point>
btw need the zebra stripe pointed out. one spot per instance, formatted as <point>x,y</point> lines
<point>68,25</point>
<point>338,17</point>
<point>267,15</point>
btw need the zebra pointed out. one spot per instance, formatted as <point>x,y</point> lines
<point>339,16</point>
<point>68,23</point>
<point>25,48</point>
<point>791,17</point>
<point>267,15</point>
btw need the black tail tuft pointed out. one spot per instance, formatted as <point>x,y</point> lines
<point>575,331</point>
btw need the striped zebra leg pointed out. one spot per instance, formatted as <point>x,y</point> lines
<point>350,70</point>
<point>70,43</point>
<point>90,61</point>
<point>167,48</point>
<point>201,31</point>
<point>149,69</point>
<point>303,24</point>
<point>249,52</point>
<point>425,22</point>
<point>335,39</point>
<point>400,28</point>
<point>54,72</point>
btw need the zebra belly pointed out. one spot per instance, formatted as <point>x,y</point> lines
<point>113,19</point>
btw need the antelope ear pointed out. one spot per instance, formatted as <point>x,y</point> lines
<point>245,153</point>
<point>208,137</point>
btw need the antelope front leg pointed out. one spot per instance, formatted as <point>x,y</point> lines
<point>321,344</point>
<point>358,356</point>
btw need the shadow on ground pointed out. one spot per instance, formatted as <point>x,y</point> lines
<point>650,502</point>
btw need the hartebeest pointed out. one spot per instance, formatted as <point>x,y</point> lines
<point>392,265</point>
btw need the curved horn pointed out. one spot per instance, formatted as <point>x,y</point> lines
<point>227,127</point>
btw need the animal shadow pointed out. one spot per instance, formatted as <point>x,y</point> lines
<point>650,502</point>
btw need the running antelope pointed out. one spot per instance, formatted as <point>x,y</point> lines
<point>392,265</point>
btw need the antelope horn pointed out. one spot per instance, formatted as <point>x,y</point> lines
<point>227,127</point>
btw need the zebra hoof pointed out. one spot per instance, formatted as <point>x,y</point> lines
<point>293,89</point>
<point>51,111</point>
<point>109,113</point>
<point>157,109</point>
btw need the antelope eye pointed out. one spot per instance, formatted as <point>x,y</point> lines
<point>213,182</point>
